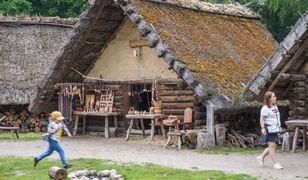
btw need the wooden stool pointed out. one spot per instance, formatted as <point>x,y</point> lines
<point>176,134</point>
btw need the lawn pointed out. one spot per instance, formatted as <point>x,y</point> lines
<point>234,150</point>
<point>14,168</point>
<point>22,136</point>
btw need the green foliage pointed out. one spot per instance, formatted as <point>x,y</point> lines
<point>12,7</point>
<point>18,168</point>
<point>61,8</point>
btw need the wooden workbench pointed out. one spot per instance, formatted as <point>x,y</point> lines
<point>106,115</point>
<point>300,123</point>
<point>141,117</point>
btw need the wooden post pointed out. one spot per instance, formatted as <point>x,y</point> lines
<point>295,139</point>
<point>304,138</point>
<point>76,125</point>
<point>210,119</point>
<point>142,127</point>
<point>131,122</point>
<point>152,130</point>
<point>106,127</point>
<point>116,124</point>
<point>84,125</point>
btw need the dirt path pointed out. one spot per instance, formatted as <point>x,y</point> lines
<point>142,151</point>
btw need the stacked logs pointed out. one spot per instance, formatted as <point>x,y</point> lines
<point>297,94</point>
<point>16,116</point>
<point>235,139</point>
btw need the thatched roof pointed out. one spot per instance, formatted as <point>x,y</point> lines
<point>27,49</point>
<point>215,49</point>
<point>289,57</point>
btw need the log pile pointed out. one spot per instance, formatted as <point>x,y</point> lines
<point>235,139</point>
<point>20,117</point>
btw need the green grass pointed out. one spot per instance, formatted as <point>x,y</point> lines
<point>22,136</point>
<point>231,150</point>
<point>15,168</point>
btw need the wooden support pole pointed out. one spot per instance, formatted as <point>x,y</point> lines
<point>295,140</point>
<point>304,138</point>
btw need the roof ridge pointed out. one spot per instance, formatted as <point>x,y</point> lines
<point>224,9</point>
<point>39,20</point>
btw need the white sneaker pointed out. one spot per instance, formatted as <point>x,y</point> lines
<point>277,166</point>
<point>260,160</point>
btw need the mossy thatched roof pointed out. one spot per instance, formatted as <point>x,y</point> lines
<point>222,50</point>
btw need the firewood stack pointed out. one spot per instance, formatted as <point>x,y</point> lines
<point>235,139</point>
<point>20,117</point>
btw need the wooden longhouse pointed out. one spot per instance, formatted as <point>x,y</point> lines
<point>198,53</point>
<point>286,72</point>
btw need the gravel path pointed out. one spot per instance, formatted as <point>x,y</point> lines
<point>142,151</point>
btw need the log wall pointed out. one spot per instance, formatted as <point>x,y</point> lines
<point>175,97</point>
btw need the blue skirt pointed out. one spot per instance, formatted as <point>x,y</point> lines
<point>269,137</point>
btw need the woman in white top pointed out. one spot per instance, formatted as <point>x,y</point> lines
<point>270,127</point>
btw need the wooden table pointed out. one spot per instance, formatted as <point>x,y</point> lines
<point>302,123</point>
<point>141,117</point>
<point>14,130</point>
<point>106,115</point>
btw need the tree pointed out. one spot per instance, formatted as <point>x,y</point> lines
<point>12,7</point>
<point>61,8</point>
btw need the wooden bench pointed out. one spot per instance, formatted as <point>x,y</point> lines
<point>14,130</point>
<point>303,123</point>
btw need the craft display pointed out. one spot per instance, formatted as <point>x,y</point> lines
<point>132,111</point>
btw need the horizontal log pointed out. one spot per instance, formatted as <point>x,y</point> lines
<point>300,84</point>
<point>299,103</point>
<point>177,105</point>
<point>299,90</point>
<point>299,111</point>
<point>176,98</point>
<point>299,117</point>
<point>300,96</point>
<point>171,87</point>
<point>174,111</point>
<point>291,77</point>
<point>175,92</point>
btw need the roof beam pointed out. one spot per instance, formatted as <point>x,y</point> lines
<point>288,65</point>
